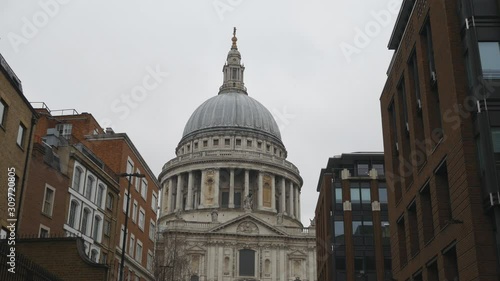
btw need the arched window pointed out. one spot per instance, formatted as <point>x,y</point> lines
<point>267,267</point>
<point>97,228</point>
<point>93,255</point>
<point>100,194</point>
<point>77,178</point>
<point>85,221</point>
<point>109,201</point>
<point>72,213</point>
<point>90,186</point>
<point>247,262</point>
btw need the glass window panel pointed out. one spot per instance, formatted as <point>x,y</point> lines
<point>382,195</point>
<point>362,169</point>
<point>357,227</point>
<point>338,195</point>
<point>358,263</point>
<point>339,232</point>
<point>340,263</point>
<point>365,195</point>
<point>495,134</point>
<point>355,195</point>
<point>3,107</point>
<point>490,59</point>
<point>379,168</point>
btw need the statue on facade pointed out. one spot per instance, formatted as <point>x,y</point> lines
<point>279,218</point>
<point>247,203</point>
<point>215,216</point>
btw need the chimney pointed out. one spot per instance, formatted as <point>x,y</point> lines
<point>109,131</point>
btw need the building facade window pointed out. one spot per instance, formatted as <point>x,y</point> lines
<point>154,201</point>
<point>495,135</point>
<point>94,255</point>
<point>125,199</point>
<point>362,169</point>
<point>77,177</point>
<point>379,168</point>
<point>73,209</point>
<point>131,245</point>
<point>89,187</point>
<point>44,231</point>
<point>489,53</point>
<point>382,194</point>
<point>142,218</point>
<point>97,228</point>
<point>152,230</point>
<point>138,251</point>
<point>150,260</point>
<point>109,201</point>
<point>144,189</point>
<point>85,222</point>
<point>107,228</point>
<point>20,135</point>
<point>64,130</point>
<point>100,194</point>
<point>339,232</point>
<point>3,112</point>
<point>48,200</point>
<point>134,212</point>
<point>246,262</point>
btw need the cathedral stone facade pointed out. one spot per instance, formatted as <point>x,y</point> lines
<point>230,201</point>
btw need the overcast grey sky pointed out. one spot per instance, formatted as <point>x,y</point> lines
<point>306,61</point>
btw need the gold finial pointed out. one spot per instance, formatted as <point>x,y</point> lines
<point>234,40</point>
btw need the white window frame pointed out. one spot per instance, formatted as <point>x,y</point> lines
<point>137,181</point>
<point>3,112</point>
<point>76,221</point>
<point>125,198</point>
<point>44,227</point>
<point>138,254</point>
<point>154,201</point>
<point>92,186</point>
<point>134,211</point>
<point>150,260</point>
<point>21,132</point>
<point>144,189</point>
<point>99,228</point>
<point>130,168</point>
<point>103,196</point>
<point>152,230</point>
<point>88,226</point>
<point>141,223</point>
<point>131,245</point>
<point>48,187</point>
<point>82,178</point>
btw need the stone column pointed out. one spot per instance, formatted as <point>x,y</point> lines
<point>292,209</point>
<point>202,192</point>
<point>170,200</point>
<point>260,193</point>
<point>231,188</point>
<point>283,196</point>
<point>178,204</point>
<point>217,189</point>
<point>273,193</point>
<point>189,201</point>
<point>247,183</point>
<point>296,204</point>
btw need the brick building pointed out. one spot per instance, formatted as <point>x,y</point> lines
<point>440,118</point>
<point>118,151</point>
<point>70,191</point>
<point>17,120</point>
<point>76,190</point>
<point>352,229</point>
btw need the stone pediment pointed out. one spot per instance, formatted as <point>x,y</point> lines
<point>195,250</point>
<point>297,255</point>
<point>248,225</point>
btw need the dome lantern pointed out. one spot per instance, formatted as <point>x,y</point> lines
<point>233,70</point>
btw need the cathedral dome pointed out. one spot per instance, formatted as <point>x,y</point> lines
<point>232,110</point>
